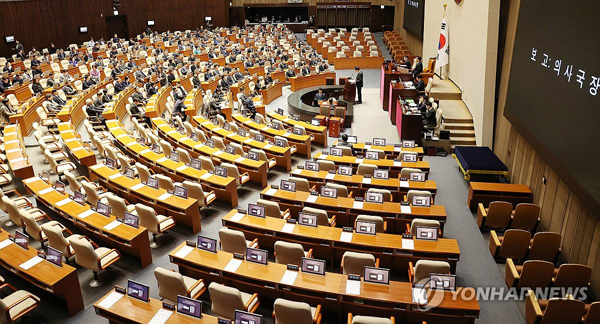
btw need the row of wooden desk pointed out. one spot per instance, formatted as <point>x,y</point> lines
<point>329,290</point>
<point>81,152</point>
<point>390,150</point>
<point>319,133</point>
<point>225,188</point>
<point>14,147</point>
<point>312,80</point>
<point>346,209</point>
<point>395,167</point>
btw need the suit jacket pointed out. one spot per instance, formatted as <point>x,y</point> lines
<point>418,69</point>
<point>420,86</point>
<point>359,79</point>
<point>430,118</point>
<point>305,71</point>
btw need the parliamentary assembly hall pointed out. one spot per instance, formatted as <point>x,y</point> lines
<point>299,162</point>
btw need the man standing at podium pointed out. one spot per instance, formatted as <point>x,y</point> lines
<point>359,83</point>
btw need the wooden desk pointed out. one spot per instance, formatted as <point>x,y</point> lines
<point>302,142</point>
<point>329,290</point>
<point>410,127</point>
<point>225,188</point>
<point>14,147</point>
<point>257,170</point>
<point>185,211</point>
<point>359,185</point>
<point>389,164</point>
<point>133,241</point>
<point>272,92</point>
<point>388,73</point>
<point>318,132</point>
<point>388,149</point>
<point>62,282</point>
<point>326,244</point>
<point>313,80</point>
<point>282,155</point>
<point>365,62</point>
<point>396,91</point>
<point>79,151</point>
<point>27,115</point>
<point>345,209</point>
<point>130,310</point>
<point>486,192</point>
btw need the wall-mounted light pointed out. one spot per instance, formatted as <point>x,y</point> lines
<point>116,12</point>
<point>83,29</point>
<point>382,7</point>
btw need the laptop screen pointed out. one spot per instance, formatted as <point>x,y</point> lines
<point>242,317</point>
<point>314,266</point>
<point>329,192</point>
<point>196,164</point>
<point>138,290</point>
<point>207,244</point>
<point>221,171</point>
<point>103,209</point>
<point>78,197</point>
<point>417,176</point>
<point>241,132</point>
<point>422,201</point>
<point>379,141</point>
<point>54,256</point>
<point>257,255</point>
<point>129,173</point>
<point>369,155</point>
<point>377,275</point>
<point>253,155</point>
<point>60,187</point>
<point>279,142</point>
<point>374,197</point>
<point>307,219</point>
<point>110,163</point>
<point>260,137</point>
<point>21,239</point>
<point>190,307</point>
<point>153,183</point>
<point>345,170</point>
<point>311,166</point>
<point>230,149</point>
<point>256,210</point>
<point>409,158</point>
<point>174,156</point>
<point>210,143</point>
<point>381,174</point>
<point>427,233</point>
<point>336,151</point>
<point>408,144</point>
<point>297,131</point>
<point>288,185</point>
<point>181,192</point>
<point>365,227</point>
<point>442,281</point>
<point>131,220</point>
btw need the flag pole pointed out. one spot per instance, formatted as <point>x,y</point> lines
<point>443,16</point>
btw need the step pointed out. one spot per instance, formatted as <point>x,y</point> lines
<point>456,126</point>
<point>462,140</point>
<point>458,120</point>
<point>455,145</point>
<point>462,132</point>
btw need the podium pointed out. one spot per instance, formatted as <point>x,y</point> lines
<point>335,125</point>
<point>349,91</point>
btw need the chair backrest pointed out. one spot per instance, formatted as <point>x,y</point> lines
<point>545,246</point>
<point>499,214</point>
<point>515,244</point>
<point>563,311</point>
<point>143,171</point>
<point>13,211</point>
<point>355,263</point>
<point>370,320</point>
<point>166,147</point>
<point>123,161</point>
<point>239,150</point>
<point>206,163</point>
<point>91,195</point>
<point>85,255</point>
<point>536,274</point>
<point>218,142</point>
<point>271,208</point>
<point>117,206</point>
<point>526,216</point>
<point>387,195</point>
<point>148,218</point>
<point>301,184</point>
<point>188,128</point>
<point>195,191</point>
<point>262,156</point>
<point>165,182</point>
<point>291,312</point>
<point>423,268</point>
<point>405,173</point>
<point>365,168</point>
<point>31,226</point>
<point>322,217</point>
<point>184,156</point>
<point>56,239</point>
<point>170,284</point>
<point>340,112</point>
<point>225,300</point>
<point>232,241</point>
<point>289,253</point>
<point>378,220</point>
<point>593,314</point>
<point>74,184</point>
<point>325,165</point>
<point>411,193</point>
<point>422,222</point>
<point>346,151</point>
<point>232,171</point>
<point>342,191</point>
<point>573,276</point>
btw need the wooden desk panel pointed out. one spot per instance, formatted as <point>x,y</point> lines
<point>14,147</point>
<point>365,62</point>
<point>388,149</point>
<point>130,310</point>
<point>133,241</point>
<point>225,188</point>
<point>326,244</point>
<point>394,167</point>
<point>329,290</point>
<point>486,192</point>
<point>272,92</point>
<point>313,80</point>
<point>62,282</point>
<point>346,212</point>
<point>185,211</point>
<point>79,151</point>
<point>302,142</point>
<point>318,132</point>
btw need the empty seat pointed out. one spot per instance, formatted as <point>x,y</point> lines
<point>555,311</point>
<point>570,275</point>
<point>172,284</point>
<point>526,216</point>
<point>423,193</point>
<point>342,191</point>
<point>387,195</point>
<point>405,173</point>
<point>232,171</point>
<point>272,209</point>
<point>226,300</point>
<point>424,268</point>
<point>514,244</point>
<point>361,319</point>
<point>366,169</point>
<point>325,165</point>
<point>421,222</point>
<point>302,184</point>
<point>195,191</point>
<point>322,217</point>
<point>497,216</point>
<point>290,253</point>
<point>233,241</point>
<point>545,246</point>
<point>380,224</point>
<point>155,223</point>
<point>355,263</point>
<point>55,232</point>
<point>89,255</point>
<point>531,275</point>
<point>16,304</point>
<point>292,312</point>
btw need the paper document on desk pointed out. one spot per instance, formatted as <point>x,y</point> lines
<point>198,146</point>
<point>353,287</point>
<point>110,226</point>
<point>181,168</point>
<point>330,176</point>
<point>114,176</point>
<point>297,171</point>
<point>288,228</point>
<point>397,149</point>
<point>161,317</point>
<point>237,217</point>
<point>233,265</point>
<point>358,204</point>
<point>45,191</point>
<point>359,161</point>
<point>268,146</point>
<point>367,147</point>
<point>184,251</point>
<point>408,244</point>
<point>164,196</point>
<point>248,140</point>
<point>346,237</point>
<point>110,300</point>
<point>5,243</point>
<point>289,277</point>
<point>366,180</point>
<point>217,153</point>
<point>162,159</point>
<point>312,198</point>
<point>397,164</point>
<point>145,151</point>
<point>30,263</point>
<point>405,209</point>
<point>30,180</point>
<point>322,156</point>
<point>171,132</point>
<point>185,138</point>
<point>404,184</point>
<point>85,214</point>
<point>271,192</point>
<point>63,202</point>
<point>97,166</point>
<point>240,159</point>
<point>419,296</point>
<point>205,176</point>
<point>286,134</point>
<point>137,186</point>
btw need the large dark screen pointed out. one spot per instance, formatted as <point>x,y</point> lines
<point>553,97</point>
<point>414,11</point>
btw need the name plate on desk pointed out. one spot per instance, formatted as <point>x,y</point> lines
<point>110,226</point>
<point>366,180</point>
<point>240,159</point>
<point>198,146</point>
<point>359,160</point>
<point>164,196</point>
<point>110,300</point>
<point>323,156</point>
<point>405,209</point>
<point>45,191</point>
<point>233,265</point>
<point>30,180</point>
<point>248,140</point>
<point>297,171</point>
<point>85,214</point>
<point>205,176</point>
<point>268,146</point>
<point>63,202</point>
<point>271,192</point>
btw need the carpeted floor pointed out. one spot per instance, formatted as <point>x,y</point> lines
<point>475,269</point>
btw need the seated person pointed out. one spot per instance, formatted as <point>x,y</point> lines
<point>5,110</point>
<point>423,99</point>
<point>290,73</point>
<point>57,99</point>
<point>249,107</point>
<point>178,109</point>
<point>419,84</point>
<point>344,142</point>
<point>214,109</point>
<point>305,70</point>
<point>429,118</point>
<point>68,89</point>
<point>319,96</point>
<point>179,92</point>
<point>52,106</point>
<point>93,111</point>
<point>137,109</point>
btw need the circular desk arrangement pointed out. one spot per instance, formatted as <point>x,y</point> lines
<point>300,102</point>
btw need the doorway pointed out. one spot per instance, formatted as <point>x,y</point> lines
<point>117,25</point>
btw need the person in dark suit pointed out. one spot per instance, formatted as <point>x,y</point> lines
<point>359,84</point>
<point>94,111</point>
<point>319,96</point>
<point>419,84</point>
<point>429,120</point>
<point>423,99</point>
<point>418,67</point>
<point>406,62</point>
<point>305,70</point>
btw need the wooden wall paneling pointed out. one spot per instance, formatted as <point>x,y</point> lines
<point>321,16</point>
<point>588,235</point>
<point>549,199</point>
<point>415,45</point>
<point>351,16</point>
<point>559,209</point>
<point>593,259</point>
<point>569,229</point>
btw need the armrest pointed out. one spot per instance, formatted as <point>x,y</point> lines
<point>309,254</point>
<point>405,198</point>
<point>533,311</point>
<point>6,193</point>
<point>287,214</point>
<point>411,272</point>
<point>313,188</point>
<point>377,263</point>
<point>249,302</point>
<point>317,317</point>
<point>407,228</point>
<point>351,194</point>
<point>332,221</point>
<point>512,275</point>
<point>393,319</point>
<point>385,226</point>
<point>7,285</point>
<point>349,318</point>
<point>494,243</point>
<point>24,298</point>
<point>481,215</point>
<point>107,254</point>
<point>166,219</point>
<point>196,284</point>
<point>89,240</point>
<point>254,244</point>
